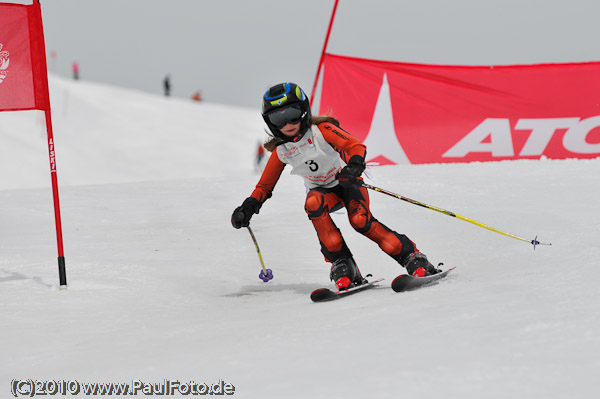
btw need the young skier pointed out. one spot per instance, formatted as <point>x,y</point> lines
<point>331,162</point>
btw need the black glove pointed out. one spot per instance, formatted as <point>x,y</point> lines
<point>242,214</point>
<point>350,173</point>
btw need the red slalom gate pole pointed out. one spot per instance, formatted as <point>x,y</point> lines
<point>43,96</point>
<point>62,272</point>
<point>314,89</point>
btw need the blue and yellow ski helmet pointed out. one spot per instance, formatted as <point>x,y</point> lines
<point>286,102</point>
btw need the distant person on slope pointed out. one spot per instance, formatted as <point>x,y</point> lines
<point>260,154</point>
<point>167,85</point>
<point>331,162</point>
<point>75,70</point>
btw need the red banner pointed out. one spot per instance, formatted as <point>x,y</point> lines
<point>412,113</point>
<point>23,76</point>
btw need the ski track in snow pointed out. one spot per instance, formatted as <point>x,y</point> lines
<point>162,287</point>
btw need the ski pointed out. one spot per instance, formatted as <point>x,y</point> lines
<point>325,294</point>
<point>405,282</point>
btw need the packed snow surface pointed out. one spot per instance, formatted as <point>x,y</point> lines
<point>161,287</point>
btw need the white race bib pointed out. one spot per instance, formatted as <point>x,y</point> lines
<point>313,158</point>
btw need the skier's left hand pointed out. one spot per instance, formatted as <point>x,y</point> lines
<point>350,173</point>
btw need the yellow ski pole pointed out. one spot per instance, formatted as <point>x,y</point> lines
<point>534,242</point>
<point>265,274</point>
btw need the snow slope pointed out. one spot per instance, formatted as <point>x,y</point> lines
<point>162,287</point>
<point>109,135</point>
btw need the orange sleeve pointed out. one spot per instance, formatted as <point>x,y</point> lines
<point>269,178</point>
<point>342,141</point>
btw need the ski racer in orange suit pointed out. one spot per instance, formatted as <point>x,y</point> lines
<point>331,161</point>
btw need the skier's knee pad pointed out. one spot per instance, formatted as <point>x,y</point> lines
<point>360,222</point>
<point>314,206</point>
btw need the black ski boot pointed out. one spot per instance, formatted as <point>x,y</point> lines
<point>417,265</point>
<point>345,274</point>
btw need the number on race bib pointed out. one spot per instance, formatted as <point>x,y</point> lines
<point>312,165</point>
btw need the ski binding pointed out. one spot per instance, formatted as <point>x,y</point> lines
<point>325,294</point>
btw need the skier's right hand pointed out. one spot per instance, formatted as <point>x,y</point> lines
<point>242,214</point>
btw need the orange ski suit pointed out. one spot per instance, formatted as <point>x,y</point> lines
<point>320,201</point>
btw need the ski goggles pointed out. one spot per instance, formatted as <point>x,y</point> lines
<point>292,114</point>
